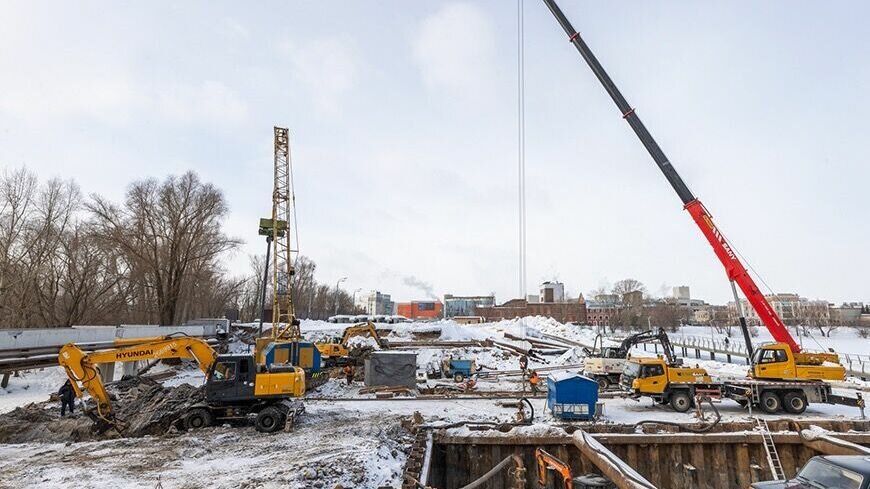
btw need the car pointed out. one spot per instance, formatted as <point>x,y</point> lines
<point>827,472</point>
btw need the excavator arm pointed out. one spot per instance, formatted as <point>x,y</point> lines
<point>81,367</point>
<point>636,339</point>
<point>360,329</point>
<point>546,461</point>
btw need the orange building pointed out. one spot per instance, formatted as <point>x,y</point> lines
<point>420,309</point>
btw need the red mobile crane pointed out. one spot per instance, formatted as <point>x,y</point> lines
<point>781,360</point>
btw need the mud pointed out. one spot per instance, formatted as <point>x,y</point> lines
<point>141,407</point>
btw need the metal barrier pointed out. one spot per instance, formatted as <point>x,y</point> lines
<point>25,349</point>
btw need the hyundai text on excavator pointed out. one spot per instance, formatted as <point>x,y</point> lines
<point>236,387</point>
<point>783,375</point>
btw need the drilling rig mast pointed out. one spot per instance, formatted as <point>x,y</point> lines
<point>284,323</point>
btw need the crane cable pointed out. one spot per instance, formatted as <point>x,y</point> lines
<point>761,278</point>
<point>521,148</point>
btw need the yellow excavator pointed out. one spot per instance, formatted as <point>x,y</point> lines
<point>236,387</point>
<point>336,353</point>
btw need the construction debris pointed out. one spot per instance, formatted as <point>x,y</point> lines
<point>142,407</point>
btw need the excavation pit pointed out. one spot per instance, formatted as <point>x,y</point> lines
<point>731,457</point>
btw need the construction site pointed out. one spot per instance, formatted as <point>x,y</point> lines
<point>433,401</point>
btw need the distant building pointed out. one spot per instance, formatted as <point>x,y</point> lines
<point>607,299</point>
<point>791,308</point>
<point>458,305</point>
<point>564,312</point>
<point>708,315</point>
<point>375,303</point>
<point>533,298</point>
<point>420,309</point>
<point>632,299</point>
<point>552,292</point>
<point>602,313</point>
<point>846,314</point>
<point>681,293</point>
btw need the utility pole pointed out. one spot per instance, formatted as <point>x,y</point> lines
<point>342,279</point>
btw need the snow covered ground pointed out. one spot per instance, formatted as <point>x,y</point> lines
<point>358,443</point>
<point>31,386</point>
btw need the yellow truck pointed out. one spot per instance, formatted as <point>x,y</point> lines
<point>667,382</point>
<point>777,382</point>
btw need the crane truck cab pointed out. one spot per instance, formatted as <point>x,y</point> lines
<point>667,383</point>
<point>777,361</point>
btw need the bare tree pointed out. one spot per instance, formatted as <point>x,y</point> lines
<point>628,285</point>
<point>168,230</point>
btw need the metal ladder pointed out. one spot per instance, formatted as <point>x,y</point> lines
<point>770,449</point>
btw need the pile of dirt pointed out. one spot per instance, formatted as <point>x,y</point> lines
<point>41,422</point>
<point>144,407</point>
<point>141,407</point>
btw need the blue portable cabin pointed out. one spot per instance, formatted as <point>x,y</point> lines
<point>306,355</point>
<point>571,396</point>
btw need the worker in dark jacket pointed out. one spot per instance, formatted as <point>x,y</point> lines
<point>67,396</point>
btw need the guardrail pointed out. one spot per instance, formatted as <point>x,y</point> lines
<point>856,365</point>
<point>27,349</point>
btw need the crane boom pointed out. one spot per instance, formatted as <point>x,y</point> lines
<point>734,269</point>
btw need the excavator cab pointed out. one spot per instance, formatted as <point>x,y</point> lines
<point>231,378</point>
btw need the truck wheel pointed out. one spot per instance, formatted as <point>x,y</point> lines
<point>269,420</point>
<point>603,383</point>
<point>680,401</point>
<point>458,377</point>
<point>794,402</point>
<point>770,402</point>
<point>198,418</point>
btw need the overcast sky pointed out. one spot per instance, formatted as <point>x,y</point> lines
<point>403,129</point>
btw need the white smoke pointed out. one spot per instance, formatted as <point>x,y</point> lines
<point>420,285</point>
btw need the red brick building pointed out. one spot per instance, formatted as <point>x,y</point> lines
<point>420,309</point>
<point>564,312</point>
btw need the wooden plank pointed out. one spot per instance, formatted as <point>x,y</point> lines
<point>741,465</point>
<point>652,473</point>
<point>451,459</point>
<point>787,459</point>
<point>674,474</point>
<point>495,454</point>
<point>697,460</point>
